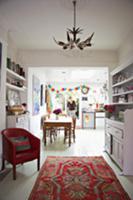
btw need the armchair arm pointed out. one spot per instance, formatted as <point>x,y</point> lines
<point>9,149</point>
<point>35,141</point>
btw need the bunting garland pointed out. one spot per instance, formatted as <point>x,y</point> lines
<point>68,89</point>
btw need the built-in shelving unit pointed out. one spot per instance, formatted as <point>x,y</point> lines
<point>15,84</point>
<point>118,124</point>
<point>122,84</point>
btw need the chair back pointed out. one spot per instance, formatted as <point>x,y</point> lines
<point>13,132</point>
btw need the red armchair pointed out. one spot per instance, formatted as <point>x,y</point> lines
<point>19,146</point>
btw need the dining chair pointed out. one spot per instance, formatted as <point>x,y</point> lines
<point>51,132</point>
<point>66,135</point>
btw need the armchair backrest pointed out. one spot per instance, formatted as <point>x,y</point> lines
<point>10,133</point>
<point>19,146</point>
<point>13,132</point>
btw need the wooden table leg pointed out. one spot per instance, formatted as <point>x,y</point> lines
<point>65,134</point>
<point>44,135</point>
<point>69,136</point>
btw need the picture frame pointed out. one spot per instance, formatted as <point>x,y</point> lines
<point>42,95</point>
<point>36,95</point>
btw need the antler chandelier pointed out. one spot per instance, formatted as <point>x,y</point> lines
<point>72,39</point>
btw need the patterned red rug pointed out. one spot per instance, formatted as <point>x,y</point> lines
<point>77,178</point>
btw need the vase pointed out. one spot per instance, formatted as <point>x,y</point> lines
<point>57,117</point>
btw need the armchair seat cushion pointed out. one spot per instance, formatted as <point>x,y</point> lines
<point>22,143</point>
<point>27,155</point>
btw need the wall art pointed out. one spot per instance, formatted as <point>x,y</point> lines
<point>36,95</point>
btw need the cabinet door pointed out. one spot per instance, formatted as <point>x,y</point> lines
<point>117,151</point>
<point>108,143</point>
<point>23,122</point>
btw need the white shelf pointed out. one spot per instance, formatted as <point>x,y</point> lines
<point>124,103</point>
<point>123,82</point>
<point>14,87</point>
<point>15,75</point>
<point>123,93</point>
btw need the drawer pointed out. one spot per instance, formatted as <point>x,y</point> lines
<point>118,133</point>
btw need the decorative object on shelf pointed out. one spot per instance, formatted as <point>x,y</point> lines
<point>121,116</point>
<point>15,67</point>
<point>57,112</point>
<point>75,41</point>
<point>13,98</point>
<point>109,110</point>
<point>130,97</point>
<point>24,105</point>
<point>122,99</point>
<point>16,110</point>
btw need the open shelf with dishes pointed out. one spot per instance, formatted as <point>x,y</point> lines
<point>15,81</point>
<point>122,84</point>
<point>15,84</point>
<point>118,121</point>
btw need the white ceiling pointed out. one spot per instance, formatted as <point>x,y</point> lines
<point>90,75</point>
<point>33,23</point>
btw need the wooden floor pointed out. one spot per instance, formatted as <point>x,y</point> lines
<point>89,142</point>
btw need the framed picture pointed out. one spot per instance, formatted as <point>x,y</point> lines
<point>36,95</point>
<point>42,95</point>
<point>0,61</point>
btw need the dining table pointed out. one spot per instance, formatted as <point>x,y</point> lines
<point>61,122</point>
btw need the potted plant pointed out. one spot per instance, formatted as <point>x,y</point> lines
<point>109,110</point>
<point>57,112</point>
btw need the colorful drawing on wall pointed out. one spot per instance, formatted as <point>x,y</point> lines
<point>36,95</point>
<point>42,96</point>
<point>0,61</point>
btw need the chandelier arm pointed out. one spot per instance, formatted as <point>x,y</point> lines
<point>73,41</point>
<point>74,23</point>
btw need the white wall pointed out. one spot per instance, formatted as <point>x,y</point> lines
<point>59,58</point>
<point>3,40</point>
<point>35,119</point>
<point>12,49</point>
<point>126,49</point>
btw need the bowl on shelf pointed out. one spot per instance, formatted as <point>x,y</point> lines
<point>17,109</point>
